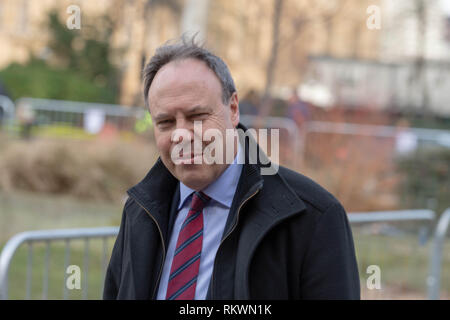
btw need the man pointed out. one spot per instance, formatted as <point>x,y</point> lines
<point>297,109</point>
<point>224,230</point>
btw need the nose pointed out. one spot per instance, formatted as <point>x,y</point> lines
<point>183,132</point>
<point>182,123</point>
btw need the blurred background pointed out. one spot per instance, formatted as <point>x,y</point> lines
<point>359,89</point>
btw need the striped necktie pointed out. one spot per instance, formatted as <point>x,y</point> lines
<point>186,259</point>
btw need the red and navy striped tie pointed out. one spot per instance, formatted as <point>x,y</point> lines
<point>186,259</point>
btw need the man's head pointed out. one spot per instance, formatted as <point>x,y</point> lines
<point>184,83</point>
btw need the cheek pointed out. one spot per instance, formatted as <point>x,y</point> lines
<point>163,143</point>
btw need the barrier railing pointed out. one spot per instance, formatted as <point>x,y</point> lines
<point>7,112</point>
<point>398,215</point>
<point>7,105</point>
<point>81,114</point>
<point>434,136</point>
<point>434,279</point>
<point>278,123</point>
<point>51,112</point>
<point>47,236</point>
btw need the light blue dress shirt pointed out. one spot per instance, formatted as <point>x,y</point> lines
<point>215,216</point>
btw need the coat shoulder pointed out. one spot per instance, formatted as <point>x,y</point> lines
<point>308,190</point>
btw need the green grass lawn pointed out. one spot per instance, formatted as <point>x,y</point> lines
<point>24,211</point>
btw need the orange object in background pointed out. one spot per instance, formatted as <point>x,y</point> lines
<point>108,132</point>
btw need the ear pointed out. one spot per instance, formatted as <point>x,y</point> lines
<point>234,109</point>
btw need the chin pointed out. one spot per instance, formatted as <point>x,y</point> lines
<point>193,178</point>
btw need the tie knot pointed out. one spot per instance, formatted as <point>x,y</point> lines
<point>199,200</point>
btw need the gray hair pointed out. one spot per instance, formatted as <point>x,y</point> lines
<point>185,49</point>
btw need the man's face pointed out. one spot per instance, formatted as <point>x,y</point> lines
<point>182,92</point>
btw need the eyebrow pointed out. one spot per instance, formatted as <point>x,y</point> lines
<point>197,108</point>
<point>161,116</point>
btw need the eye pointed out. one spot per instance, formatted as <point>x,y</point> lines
<point>164,123</point>
<point>198,115</point>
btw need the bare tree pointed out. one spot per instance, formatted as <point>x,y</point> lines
<point>148,9</point>
<point>194,17</point>
<point>299,21</point>
<point>271,65</point>
<point>420,11</point>
<point>330,9</point>
<point>278,5</point>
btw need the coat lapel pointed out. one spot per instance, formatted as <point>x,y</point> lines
<point>269,209</point>
<point>157,195</point>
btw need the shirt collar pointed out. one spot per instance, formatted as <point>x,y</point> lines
<point>223,188</point>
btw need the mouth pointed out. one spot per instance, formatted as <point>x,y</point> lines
<point>190,159</point>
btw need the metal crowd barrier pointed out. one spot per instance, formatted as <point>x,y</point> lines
<point>435,263</point>
<point>299,135</point>
<point>435,136</point>
<point>8,112</point>
<point>51,112</point>
<point>85,234</point>
<point>92,117</point>
<point>7,105</point>
<point>47,236</point>
<point>277,123</point>
<point>386,216</point>
<point>434,279</point>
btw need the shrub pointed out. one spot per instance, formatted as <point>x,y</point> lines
<point>38,80</point>
<point>85,169</point>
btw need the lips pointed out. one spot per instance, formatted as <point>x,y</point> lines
<point>192,155</point>
<point>189,159</point>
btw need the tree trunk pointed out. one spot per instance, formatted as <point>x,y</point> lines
<point>266,107</point>
<point>194,18</point>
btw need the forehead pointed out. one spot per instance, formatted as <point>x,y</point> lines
<point>185,80</point>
